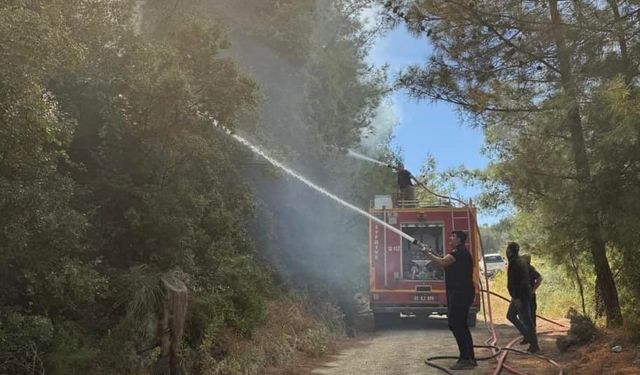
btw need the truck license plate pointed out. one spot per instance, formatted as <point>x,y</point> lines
<point>424,298</point>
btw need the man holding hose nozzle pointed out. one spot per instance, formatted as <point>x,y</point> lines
<point>519,312</point>
<point>405,185</point>
<point>458,270</point>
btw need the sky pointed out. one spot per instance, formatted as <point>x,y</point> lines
<point>422,128</point>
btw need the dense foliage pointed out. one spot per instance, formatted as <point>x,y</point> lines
<point>112,175</point>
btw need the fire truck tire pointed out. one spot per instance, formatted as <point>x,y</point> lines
<point>472,319</point>
<point>384,319</point>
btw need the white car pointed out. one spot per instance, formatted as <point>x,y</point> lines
<point>495,263</point>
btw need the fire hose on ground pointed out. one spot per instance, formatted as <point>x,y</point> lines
<point>501,352</point>
<point>491,343</point>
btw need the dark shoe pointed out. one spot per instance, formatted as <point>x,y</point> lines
<point>474,363</point>
<point>523,342</point>
<point>463,364</point>
<point>533,349</point>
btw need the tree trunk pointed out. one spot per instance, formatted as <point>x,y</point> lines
<point>628,68</point>
<point>171,325</point>
<point>576,270</point>
<point>604,278</point>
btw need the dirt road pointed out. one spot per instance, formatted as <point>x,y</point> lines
<point>402,349</point>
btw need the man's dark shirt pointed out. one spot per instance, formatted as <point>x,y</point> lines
<point>518,279</point>
<point>404,179</point>
<point>459,275</point>
<point>533,276</point>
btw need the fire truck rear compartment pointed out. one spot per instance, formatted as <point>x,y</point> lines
<point>414,263</point>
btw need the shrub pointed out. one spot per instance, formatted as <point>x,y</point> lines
<point>583,330</point>
<point>289,331</point>
<point>23,341</point>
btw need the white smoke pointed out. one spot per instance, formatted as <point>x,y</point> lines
<point>386,119</point>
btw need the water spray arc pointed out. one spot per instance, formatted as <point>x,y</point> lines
<point>360,156</point>
<point>317,188</point>
<point>497,351</point>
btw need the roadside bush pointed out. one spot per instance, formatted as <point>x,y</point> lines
<point>69,353</point>
<point>632,325</point>
<point>29,344</point>
<point>23,342</point>
<point>289,332</point>
<point>583,330</point>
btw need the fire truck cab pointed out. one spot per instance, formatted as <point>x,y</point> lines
<point>401,280</point>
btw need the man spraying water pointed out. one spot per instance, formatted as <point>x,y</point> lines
<point>406,190</point>
<point>458,268</point>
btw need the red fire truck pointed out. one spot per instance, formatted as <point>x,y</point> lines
<point>401,279</point>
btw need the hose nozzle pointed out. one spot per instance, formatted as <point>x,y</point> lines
<point>423,246</point>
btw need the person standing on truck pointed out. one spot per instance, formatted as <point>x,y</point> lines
<point>519,312</point>
<point>405,185</point>
<point>458,275</point>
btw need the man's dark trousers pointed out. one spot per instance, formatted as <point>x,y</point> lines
<point>522,320</point>
<point>534,309</point>
<point>458,304</point>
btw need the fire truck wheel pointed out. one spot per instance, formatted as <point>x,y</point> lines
<point>472,319</point>
<point>384,319</point>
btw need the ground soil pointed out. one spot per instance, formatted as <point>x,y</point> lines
<point>402,348</point>
<point>597,357</point>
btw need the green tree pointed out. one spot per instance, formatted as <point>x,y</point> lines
<point>529,74</point>
<point>160,180</point>
<point>434,181</point>
<point>45,263</point>
<point>495,237</point>
<point>111,175</point>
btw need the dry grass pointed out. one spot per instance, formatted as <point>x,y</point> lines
<point>555,296</point>
<point>597,358</point>
<point>290,334</point>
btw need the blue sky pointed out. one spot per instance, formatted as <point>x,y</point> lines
<point>422,127</point>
